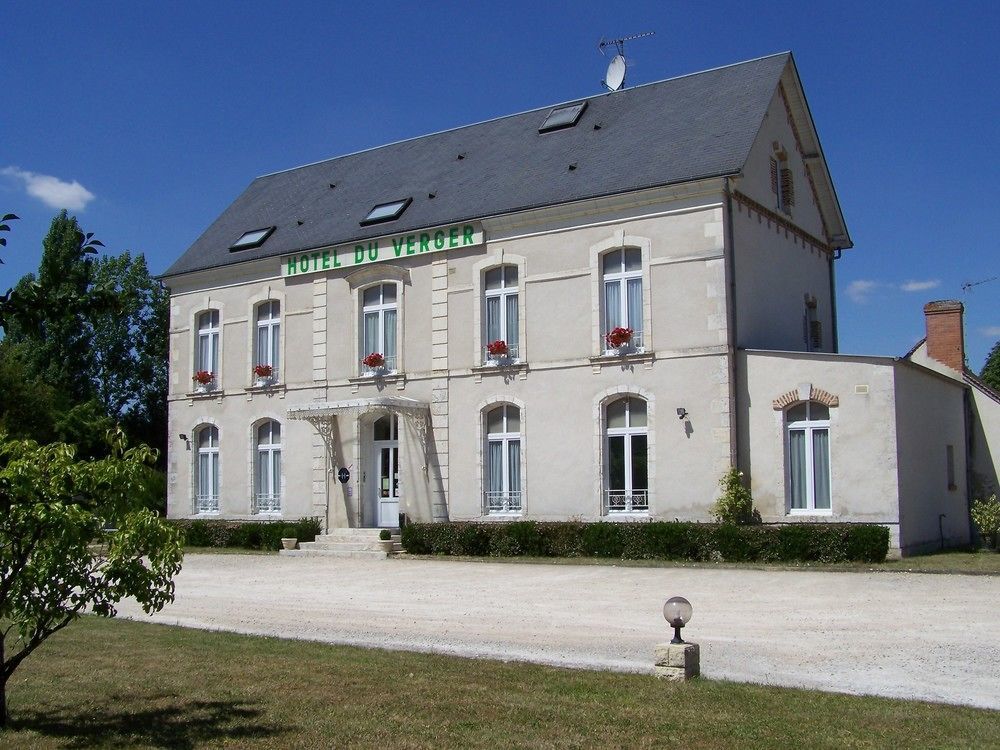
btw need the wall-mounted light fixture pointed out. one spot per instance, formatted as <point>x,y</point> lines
<point>682,412</point>
<point>183,437</point>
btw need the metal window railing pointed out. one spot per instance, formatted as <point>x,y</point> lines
<point>265,502</point>
<point>511,356</point>
<point>501,502</point>
<point>206,504</point>
<point>389,366</point>
<point>623,501</point>
<point>635,346</point>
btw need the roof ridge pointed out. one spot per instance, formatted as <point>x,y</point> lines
<point>523,112</point>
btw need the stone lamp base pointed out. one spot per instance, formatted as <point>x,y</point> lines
<point>677,661</point>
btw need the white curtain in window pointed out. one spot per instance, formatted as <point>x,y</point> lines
<point>495,469</point>
<point>493,319</point>
<point>821,468</point>
<point>512,319</point>
<point>635,304</point>
<point>797,461</point>
<point>390,336</point>
<point>612,305</point>
<point>514,466</point>
<point>371,334</point>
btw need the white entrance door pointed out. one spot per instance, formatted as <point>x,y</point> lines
<point>386,450</point>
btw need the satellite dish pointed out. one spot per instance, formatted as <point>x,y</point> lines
<point>615,76</point>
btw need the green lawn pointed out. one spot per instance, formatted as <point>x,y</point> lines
<point>119,684</point>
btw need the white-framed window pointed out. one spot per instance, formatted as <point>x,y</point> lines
<point>501,298</point>
<point>267,344</point>
<point>378,326</point>
<point>502,482</point>
<point>207,470</point>
<point>621,279</point>
<point>267,469</point>
<point>626,450</point>
<point>207,350</point>
<point>807,427</point>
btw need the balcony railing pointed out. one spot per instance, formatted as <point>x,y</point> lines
<point>495,503</point>
<point>385,369</point>
<point>634,346</point>
<point>206,504</point>
<point>510,357</point>
<point>267,502</point>
<point>623,501</point>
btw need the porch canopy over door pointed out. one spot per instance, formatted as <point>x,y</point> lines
<point>324,415</point>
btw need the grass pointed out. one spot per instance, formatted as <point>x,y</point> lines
<point>112,684</point>
<point>959,562</point>
<point>227,551</point>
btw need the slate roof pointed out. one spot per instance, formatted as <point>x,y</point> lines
<point>695,126</point>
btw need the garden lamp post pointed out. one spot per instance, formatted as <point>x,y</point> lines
<point>677,611</point>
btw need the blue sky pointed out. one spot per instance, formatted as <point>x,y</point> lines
<point>147,119</point>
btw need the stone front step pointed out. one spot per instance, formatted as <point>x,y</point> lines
<point>354,554</point>
<point>362,543</point>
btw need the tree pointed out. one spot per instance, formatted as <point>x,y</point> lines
<point>74,538</point>
<point>5,298</point>
<point>991,370</point>
<point>129,345</point>
<point>50,312</point>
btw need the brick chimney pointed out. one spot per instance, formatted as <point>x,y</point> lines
<point>945,336</point>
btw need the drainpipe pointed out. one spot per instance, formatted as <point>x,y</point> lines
<point>835,255</point>
<point>729,255</point>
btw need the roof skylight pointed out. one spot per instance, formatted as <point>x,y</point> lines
<point>253,238</point>
<point>386,212</point>
<point>562,117</point>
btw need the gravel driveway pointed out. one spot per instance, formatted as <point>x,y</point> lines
<point>931,637</point>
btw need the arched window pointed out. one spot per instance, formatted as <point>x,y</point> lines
<point>267,345</point>
<point>807,425</point>
<point>621,272</point>
<point>267,473</point>
<point>207,470</point>
<point>502,482</point>
<point>378,328</point>
<point>501,292</point>
<point>207,352</point>
<point>626,448</point>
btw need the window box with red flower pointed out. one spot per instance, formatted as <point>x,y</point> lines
<point>620,339</point>
<point>374,364</point>
<point>264,375</point>
<point>204,381</point>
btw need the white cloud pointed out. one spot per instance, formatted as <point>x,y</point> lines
<point>991,331</point>
<point>920,286</point>
<point>52,191</point>
<point>860,289</point>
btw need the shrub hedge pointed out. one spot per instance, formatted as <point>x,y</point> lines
<point>800,542</point>
<point>245,534</point>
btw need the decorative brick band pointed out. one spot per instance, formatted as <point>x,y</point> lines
<point>795,396</point>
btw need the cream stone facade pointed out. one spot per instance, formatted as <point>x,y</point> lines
<point>721,269</point>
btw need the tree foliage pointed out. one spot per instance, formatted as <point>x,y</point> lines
<point>991,370</point>
<point>87,338</point>
<point>75,538</point>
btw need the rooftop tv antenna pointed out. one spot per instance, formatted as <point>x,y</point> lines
<point>969,285</point>
<point>614,79</point>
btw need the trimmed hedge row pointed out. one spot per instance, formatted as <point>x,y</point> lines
<point>245,534</point>
<point>800,542</point>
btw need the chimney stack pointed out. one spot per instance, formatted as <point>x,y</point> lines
<point>945,334</point>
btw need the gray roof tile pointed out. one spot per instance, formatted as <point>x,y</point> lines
<point>695,126</point>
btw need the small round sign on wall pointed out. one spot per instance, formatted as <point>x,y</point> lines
<point>344,475</point>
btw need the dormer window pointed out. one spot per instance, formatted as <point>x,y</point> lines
<point>386,212</point>
<point>253,238</point>
<point>562,117</point>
